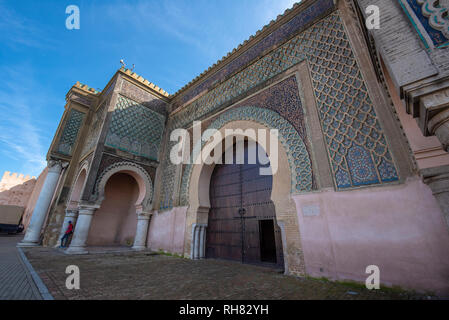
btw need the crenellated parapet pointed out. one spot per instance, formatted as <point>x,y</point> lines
<point>144,81</point>
<point>13,179</point>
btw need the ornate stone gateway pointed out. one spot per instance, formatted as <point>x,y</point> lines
<point>242,221</point>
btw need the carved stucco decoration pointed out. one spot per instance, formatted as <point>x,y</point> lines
<point>133,169</point>
<point>437,13</point>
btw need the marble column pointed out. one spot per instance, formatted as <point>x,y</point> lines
<point>198,247</point>
<point>192,244</point>
<point>143,221</point>
<point>78,244</point>
<point>32,235</point>
<point>70,215</point>
<point>202,251</point>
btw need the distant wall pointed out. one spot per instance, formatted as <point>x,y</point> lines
<point>20,191</point>
<point>16,189</point>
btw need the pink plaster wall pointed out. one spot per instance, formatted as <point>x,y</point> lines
<point>116,220</point>
<point>166,231</point>
<point>398,228</point>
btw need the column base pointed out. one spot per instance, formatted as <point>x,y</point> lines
<point>23,244</point>
<point>76,250</point>
<point>139,248</point>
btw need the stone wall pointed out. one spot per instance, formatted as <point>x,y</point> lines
<point>16,189</point>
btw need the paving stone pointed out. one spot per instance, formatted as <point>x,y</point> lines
<point>134,275</point>
<point>15,281</point>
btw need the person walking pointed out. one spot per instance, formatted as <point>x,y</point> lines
<point>67,234</point>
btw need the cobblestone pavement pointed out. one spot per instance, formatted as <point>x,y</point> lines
<point>143,275</point>
<point>16,282</point>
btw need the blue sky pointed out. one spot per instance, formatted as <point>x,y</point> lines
<point>170,42</point>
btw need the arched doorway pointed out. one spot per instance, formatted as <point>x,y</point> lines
<point>120,213</point>
<point>293,173</point>
<point>114,223</point>
<point>242,222</point>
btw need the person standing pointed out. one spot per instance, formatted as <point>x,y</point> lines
<point>67,234</point>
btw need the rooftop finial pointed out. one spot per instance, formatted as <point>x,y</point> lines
<point>123,63</point>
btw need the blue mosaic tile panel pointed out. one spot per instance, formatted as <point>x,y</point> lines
<point>434,18</point>
<point>349,122</point>
<point>70,133</point>
<point>167,186</point>
<point>135,129</point>
<point>356,144</point>
<point>285,31</point>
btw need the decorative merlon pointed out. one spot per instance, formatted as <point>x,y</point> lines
<point>86,88</point>
<point>16,176</point>
<point>144,81</point>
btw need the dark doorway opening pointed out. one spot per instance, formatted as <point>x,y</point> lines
<point>267,241</point>
<point>242,218</point>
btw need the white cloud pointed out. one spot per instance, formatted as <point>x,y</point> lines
<point>22,129</point>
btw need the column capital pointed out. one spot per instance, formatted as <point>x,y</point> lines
<point>437,178</point>
<point>438,125</point>
<point>70,213</point>
<point>87,209</point>
<point>56,165</point>
<point>144,215</point>
<point>195,225</point>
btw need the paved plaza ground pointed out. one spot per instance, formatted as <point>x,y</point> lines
<point>143,275</point>
<point>16,282</point>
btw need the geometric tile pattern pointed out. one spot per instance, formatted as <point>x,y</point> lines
<point>298,157</point>
<point>135,129</point>
<point>346,112</point>
<point>283,32</point>
<point>356,144</point>
<point>68,137</point>
<point>96,125</point>
<point>168,184</point>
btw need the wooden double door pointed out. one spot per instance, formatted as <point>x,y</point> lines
<point>242,222</point>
